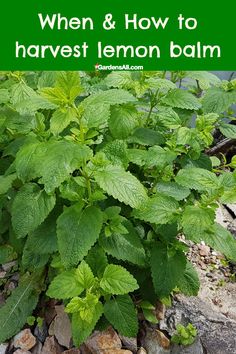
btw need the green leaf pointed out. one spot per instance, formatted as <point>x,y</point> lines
<point>197,178</point>
<point>30,208</point>
<point>188,282</point>
<point>96,115</point>
<point>65,285</point>
<point>120,79</point>
<point>121,313</point>
<point>69,83</point>
<point>61,118</point>
<point>82,329</point>
<point>19,305</point>
<point>126,247</point>
<point>7,254</point>
<point>84,275</point>
<point>167,267</point>
<point>110,97</point>
<point>181,99</point>
<point>77,231</point>
<point>160,209</point>
<point>49,161</point>
<point>123,121</point>
<point>6,182</point>
<point>4,96</point>
<point>97,260</point>
<point>228,130</point>
<point>121,185</point>
<point>137,156</point>
<point>160,84</point>
<point>204,78</point>
<point>197,221</point>
<point>32,104</point>
<point>20,92</point>
<point>40,243</point>
<point>221,240</point>
<point>217,100</point>
<point>117,280</point>
<point>168,118</point>
<point>146,136</point>
<point>173,190</point>
<point>116,153</point>
<point>159,157</point>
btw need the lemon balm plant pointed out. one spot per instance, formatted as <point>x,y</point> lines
<point>99,177</point>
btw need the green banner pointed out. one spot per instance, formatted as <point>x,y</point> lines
<point>117,35</point>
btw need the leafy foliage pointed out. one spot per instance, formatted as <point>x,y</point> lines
<point>99,174</point>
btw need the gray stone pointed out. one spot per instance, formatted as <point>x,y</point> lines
<point>129,343</point>
<point>216,331</point>
<point>195,348</point>
<point>155,342</point>
<point>3,348</point>
<point>61,327</point>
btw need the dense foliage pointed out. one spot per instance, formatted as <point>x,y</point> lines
<point>99,176</point>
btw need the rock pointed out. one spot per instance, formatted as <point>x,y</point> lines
<point>51,346</point>
<point>216,332</point>
<point>72,351</point>
<point>141,351</point>
<point>8,266</point>
<point>116,351</point>
<point>204,250</point>
<point>41,332</point>
<point>24,340</point>
<point>103,341</point>
<point>61,327</point>
<point>195,348</point>
<point>155,342</point>
<point>3,274</point>
<point>129,343</point>
<point>160,310</point>
<point>21,351</point>
<point>3,348</point>
<point>37,349</point>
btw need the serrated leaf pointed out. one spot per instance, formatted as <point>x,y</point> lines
<point>137,156</point>
<point>181,99</point>
<point>120,79</point>
<point>21,92</point>
<point>126,247</point>
<point>123,121</point>
<point>77,231</point>
<point>30,208</point>
<point>116,153</point>
<point>197,178</point>
<point>65,285</point>
<point>159,157</point>
<point>4,96</point>
<point>117,280</point>
<point>40,243</point>
<point>168,118</point>
<point>228,130</point>
<point>49,161</point>
<point>160,84</point>
<point>32,104</point>
<point>159,209</point>
<point>61,118</point>
<point>96,115</point>
<point>205,78</point>
<point>69,83</point>
<point>6,182</point>
<point>121,313</point>
<point>19,305</point>
<point>221,240</point>
<point>189,283</point>
<point>84,275</point>
<point>218,100</point>
<point>146,136</point>
<point>82,329</point>
<point>110,97</point>
<point>7,254</point>
<point>173,190</point>
<point>97,260</point>
<point>196,221</point>
<point>121,185</point>
<point>166,268</point>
